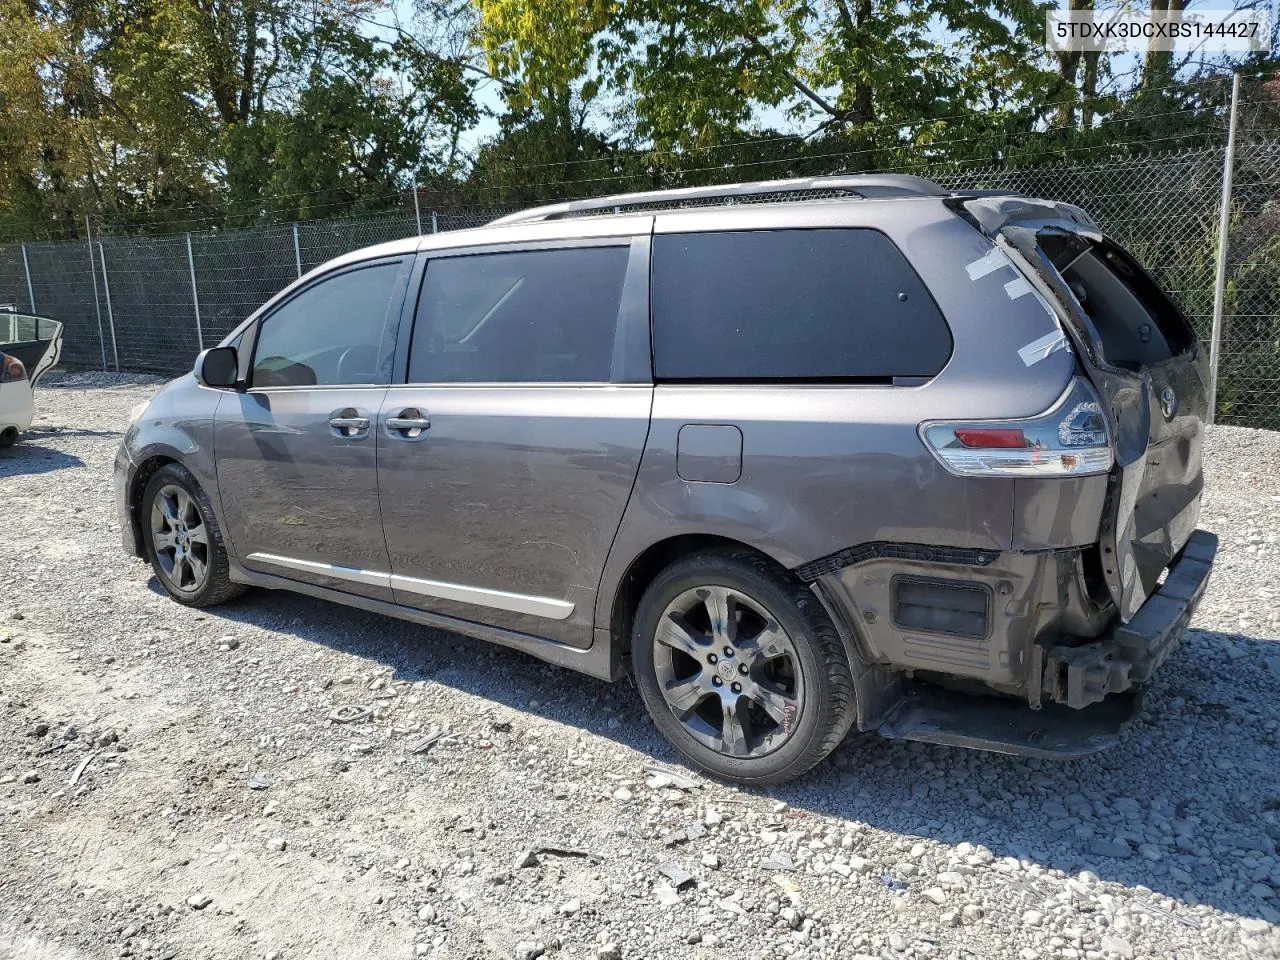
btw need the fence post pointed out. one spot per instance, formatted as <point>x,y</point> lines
<point>297,251</point>
<point>93,275</point>
<point>1220,276</point>
<point>111,320</point>
<point>26,265</point>
<point>417,211</point>
<point>435,223</point>
<point>195,294</point>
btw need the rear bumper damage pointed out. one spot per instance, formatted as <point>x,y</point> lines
<point>1042,668</point>
<point>1083,675</point>
<point>1003,725</point>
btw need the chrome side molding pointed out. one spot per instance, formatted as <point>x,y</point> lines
<point>497,599</point>
<point>370,578</point>
<point>545,607</point>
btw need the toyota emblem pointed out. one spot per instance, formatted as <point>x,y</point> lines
<point>1168,402</point>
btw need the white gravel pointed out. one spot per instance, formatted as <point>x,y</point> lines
<point>223,814</point>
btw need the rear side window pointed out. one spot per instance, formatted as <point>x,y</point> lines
<point>823,305</point>
<point>526,317</point>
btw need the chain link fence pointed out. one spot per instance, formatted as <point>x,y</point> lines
<point>150,303</point>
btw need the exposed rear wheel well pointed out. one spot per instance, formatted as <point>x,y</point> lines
<point>652,562</point>
<point>145,471</point>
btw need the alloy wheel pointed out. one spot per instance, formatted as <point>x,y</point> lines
<point>180,538</point>
<point>728,671</point>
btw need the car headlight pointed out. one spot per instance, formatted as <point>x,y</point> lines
<point>137,410</point>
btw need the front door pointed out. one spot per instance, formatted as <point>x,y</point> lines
<point>296,454</point>
<point>507,459</point>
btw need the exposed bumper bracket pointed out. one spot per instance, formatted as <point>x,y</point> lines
<point>1082,675</point>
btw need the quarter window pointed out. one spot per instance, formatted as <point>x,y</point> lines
<point>793,305</point>
<point>331,333</point>
<point>525,317</point>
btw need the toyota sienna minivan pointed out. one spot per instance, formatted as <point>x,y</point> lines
<point>798,456</point>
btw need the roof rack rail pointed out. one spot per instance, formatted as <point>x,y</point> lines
<point>856,186</point>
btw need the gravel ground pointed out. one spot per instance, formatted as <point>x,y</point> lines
<point>220,812</point>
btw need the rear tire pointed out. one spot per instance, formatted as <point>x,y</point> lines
<point>741,668</point>
<point>183,540</point>
<point>8,437</point>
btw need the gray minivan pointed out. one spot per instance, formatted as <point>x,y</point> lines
<point>798,456</point>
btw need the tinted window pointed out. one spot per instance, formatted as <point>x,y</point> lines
<point>533,316</point>
<point>330,333</point>
<point>791,305</point>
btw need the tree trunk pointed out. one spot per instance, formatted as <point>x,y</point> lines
<point>1157,66</point>
<point>1069,70</point>
<point>1089,88</point>
<point>863,106</point>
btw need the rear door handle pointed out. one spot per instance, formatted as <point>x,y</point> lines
<point>408,424</point>
<point>349,424</point>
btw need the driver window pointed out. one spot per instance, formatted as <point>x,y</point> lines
<point>330,334</point>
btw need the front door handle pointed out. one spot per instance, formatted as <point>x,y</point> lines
<point>349,424</point>
<point>408,424</point>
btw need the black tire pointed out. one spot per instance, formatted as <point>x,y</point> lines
<point>216,585</point>
<point>9,436</point>
<point>816,661</point>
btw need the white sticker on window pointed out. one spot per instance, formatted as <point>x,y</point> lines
<point>993,261</point>
<point>1038,349</point>
<point>1018,288</point>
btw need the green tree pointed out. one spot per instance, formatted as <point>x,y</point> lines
<point>848,72</point>
<point>371,117</point>
<point>170,113</point>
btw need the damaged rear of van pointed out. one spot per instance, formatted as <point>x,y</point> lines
<point>1105,564</point>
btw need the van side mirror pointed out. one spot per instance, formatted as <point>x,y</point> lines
<point>218,367</point>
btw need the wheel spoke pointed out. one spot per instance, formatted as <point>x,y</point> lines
<point>769,644</point>
<point>163,539</point>
<point>168,508</point>
<point>198,534</point>
<point>780,707</point>
<point>197,567</point>
<point>733,733</point>
<point>187,511</point>
<point>675,633</point>
<point>720,608</point>
<point>683,696</point>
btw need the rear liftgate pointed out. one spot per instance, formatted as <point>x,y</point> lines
<point>1142,358</point>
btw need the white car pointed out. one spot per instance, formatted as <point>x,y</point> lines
<point>29,348</point>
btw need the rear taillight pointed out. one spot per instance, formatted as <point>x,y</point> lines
<point>1069,440</point>
<point>11,368</point>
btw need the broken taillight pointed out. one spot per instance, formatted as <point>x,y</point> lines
<point>1068,440</point>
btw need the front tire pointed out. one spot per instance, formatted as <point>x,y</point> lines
<point>741,668</point>
<point>183,540</point>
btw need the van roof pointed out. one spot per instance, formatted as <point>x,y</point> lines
<point>853,186</point>
<point>625,215</point>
